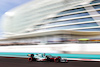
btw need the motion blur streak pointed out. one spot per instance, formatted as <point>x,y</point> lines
<point>15,62</point>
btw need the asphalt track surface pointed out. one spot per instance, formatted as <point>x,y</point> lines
<point>18,62</point>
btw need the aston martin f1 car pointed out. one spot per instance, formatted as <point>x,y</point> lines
<point>43,57</point>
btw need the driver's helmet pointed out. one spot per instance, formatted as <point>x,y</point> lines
<point>40,55</point>
<point>43,54</point>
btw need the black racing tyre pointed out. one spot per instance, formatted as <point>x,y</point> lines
<point>48,59</point>
<point>57,60</point>
<point>30,59</point>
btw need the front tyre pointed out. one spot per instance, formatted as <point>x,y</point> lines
<point>57,60</point>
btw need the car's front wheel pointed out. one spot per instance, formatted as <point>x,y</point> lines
<point>57,60</point>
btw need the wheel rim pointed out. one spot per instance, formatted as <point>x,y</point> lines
<point>30,59</point>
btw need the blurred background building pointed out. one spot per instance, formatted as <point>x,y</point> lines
<point>53,21</point>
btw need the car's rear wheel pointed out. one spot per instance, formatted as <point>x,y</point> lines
<point>30,59</point>
<point>47,58</point>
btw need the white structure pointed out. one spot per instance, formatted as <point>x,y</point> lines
<point>52,20</point>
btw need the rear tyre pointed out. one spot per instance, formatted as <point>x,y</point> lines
<point>30,59</point>
<point>48,59</point>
